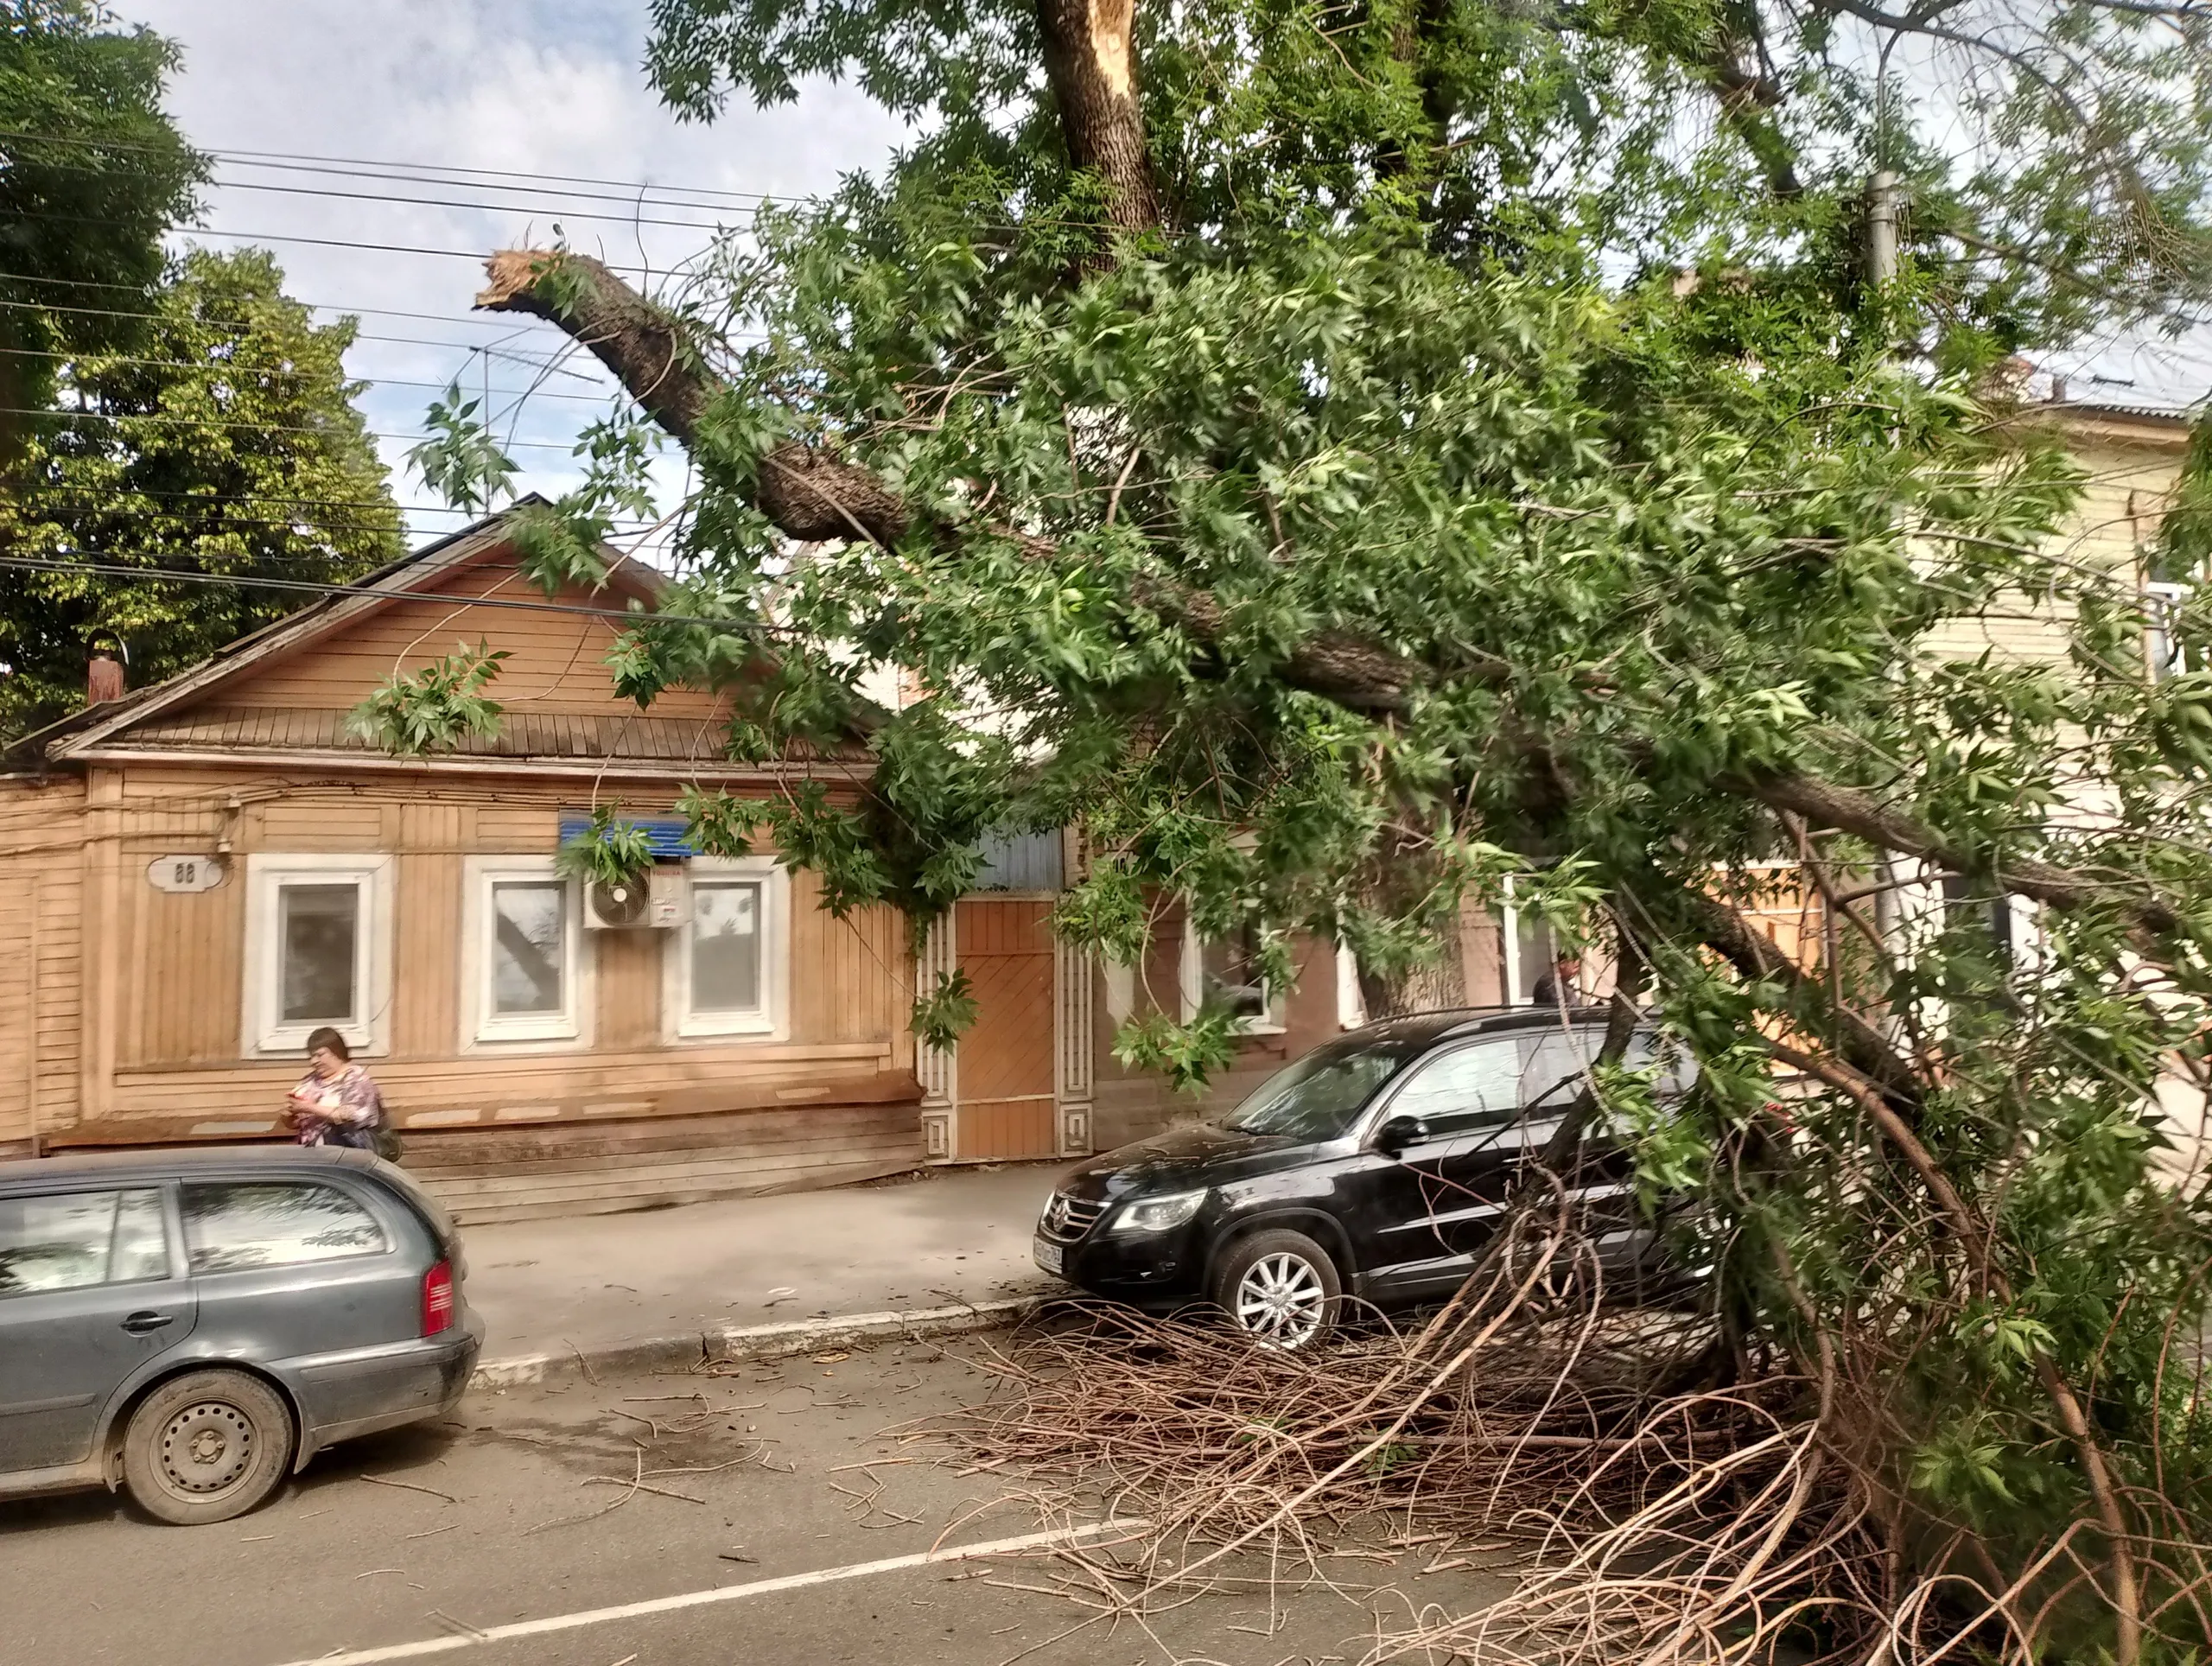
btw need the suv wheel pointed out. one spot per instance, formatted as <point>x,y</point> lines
<point>207,1447</point>
<point>1280,1289</point>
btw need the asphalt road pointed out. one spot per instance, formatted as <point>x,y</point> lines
<point>429,1543</point>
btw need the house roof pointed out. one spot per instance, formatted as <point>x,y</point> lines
<point>186,716</point>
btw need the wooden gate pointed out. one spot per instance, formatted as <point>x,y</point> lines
<point>1006,1060</point>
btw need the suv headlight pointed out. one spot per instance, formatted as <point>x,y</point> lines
<point>1159,1214</point>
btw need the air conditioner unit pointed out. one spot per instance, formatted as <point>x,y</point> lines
<point>662,900</point>
<point>668,897</point>
<point>617,907</point>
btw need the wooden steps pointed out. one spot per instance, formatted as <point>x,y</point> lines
<point>608,1168</point>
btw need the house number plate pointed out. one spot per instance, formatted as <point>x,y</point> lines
<point>184,874</point>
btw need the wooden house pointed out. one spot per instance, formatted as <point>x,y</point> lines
<point>194,876</point>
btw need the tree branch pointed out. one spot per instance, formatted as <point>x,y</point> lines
<point>1861,1044</point>
<point>812,495</point>
<point>1826,803</point>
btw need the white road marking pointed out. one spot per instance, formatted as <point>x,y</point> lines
<point>530,1628</point>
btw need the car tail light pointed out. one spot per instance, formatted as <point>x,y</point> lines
<point>437,1299</point>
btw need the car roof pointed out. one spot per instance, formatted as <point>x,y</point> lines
<point>163,1163</point>
<point>1424,1027</point>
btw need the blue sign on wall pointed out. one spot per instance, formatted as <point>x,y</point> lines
<point>668,835</point>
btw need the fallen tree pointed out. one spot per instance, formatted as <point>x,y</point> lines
<point>1343,459</point>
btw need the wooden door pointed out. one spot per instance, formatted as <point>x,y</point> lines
<point>1005,1108</point>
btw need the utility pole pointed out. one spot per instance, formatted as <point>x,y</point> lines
<point>1881,272</point>
<point>1881,228</point>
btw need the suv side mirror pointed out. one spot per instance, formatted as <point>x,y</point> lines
<point>1395,1134</point>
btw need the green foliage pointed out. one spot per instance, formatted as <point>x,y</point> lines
<point>435,708</point>
<point>1189,1054</point>
<point>720,823</point>
<point>94,173</point>
<point>610,850</point>
<point>944,1011</point>
<point>223,439</point>
<point>461,461</point>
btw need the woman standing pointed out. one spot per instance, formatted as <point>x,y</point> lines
<point>337,1102</point>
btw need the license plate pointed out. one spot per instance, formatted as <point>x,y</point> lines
<point>1050,1256</point>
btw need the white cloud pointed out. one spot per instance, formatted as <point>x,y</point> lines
<point>540,86</point>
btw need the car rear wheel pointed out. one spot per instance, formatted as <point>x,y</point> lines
<point>207,1447</point>
<point>1280,1289</point>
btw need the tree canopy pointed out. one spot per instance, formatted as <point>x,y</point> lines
<point>92,173</point>
<point>223,441</point>
<point>1342,456</point>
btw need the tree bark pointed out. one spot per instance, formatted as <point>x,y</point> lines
<point>1091,61</point>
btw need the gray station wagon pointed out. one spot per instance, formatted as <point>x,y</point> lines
<point>197,1325</point>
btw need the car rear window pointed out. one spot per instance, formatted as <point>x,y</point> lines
<point>232,1226</point>
<point>73,1240</point>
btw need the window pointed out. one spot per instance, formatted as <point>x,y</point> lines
<point>727,965</point>
<point>1351,999</point>
<point>236,1226</point>
<point>523,962</point>
<point>1226,971</point>
<point>78,1239</point>
<point>318,951</point>
<point>1321,1095</point>
<point>2161,649</point>
<point>1530,950</point>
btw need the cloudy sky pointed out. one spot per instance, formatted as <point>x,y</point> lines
<point>282,90</point>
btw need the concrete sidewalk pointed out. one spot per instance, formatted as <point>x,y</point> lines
<point>640,1288</point>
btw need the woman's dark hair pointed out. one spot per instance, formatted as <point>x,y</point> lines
<point>331,1039</point>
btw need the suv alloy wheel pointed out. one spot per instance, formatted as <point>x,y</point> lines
<point>1280,1287</point>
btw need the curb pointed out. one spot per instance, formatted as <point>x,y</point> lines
<point>690,1350</point>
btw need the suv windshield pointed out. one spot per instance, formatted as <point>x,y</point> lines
<point>1321,1096</point>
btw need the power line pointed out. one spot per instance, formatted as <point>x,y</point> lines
<point>261,428</point>
<point>118,569</point>
<point>243,372</point>
<point>247,324</point>
<point>475,208</point>
<point>658,196</point>
<point>143,293</point>
<point>144,517</point>
<point>276,158</point>
<point>219,498</point>
<point>476,255</point>
<point>562,198</point>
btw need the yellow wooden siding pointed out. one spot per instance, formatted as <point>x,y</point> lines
<point>41,834</point>
<point>2124,496</point>
<point>556,662</point>
<point>173,964</point>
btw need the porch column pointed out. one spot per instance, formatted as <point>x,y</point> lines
<point>938,1067</point>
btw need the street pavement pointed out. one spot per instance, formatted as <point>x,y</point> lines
<point>593,1282</point>
<point>520,1512</point>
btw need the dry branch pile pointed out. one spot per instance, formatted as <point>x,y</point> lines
<point>1656,1504</point>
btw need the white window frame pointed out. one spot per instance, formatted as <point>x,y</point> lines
<point>1351,999</point>
<point>1518,979</point>
<point>482,1028</point>
<point>263,1032</point>
<point>771,1021</point>
<point>1191,975</point>
<point>2162,605</point>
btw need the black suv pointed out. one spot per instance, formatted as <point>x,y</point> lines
<point>1378,1167</point>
